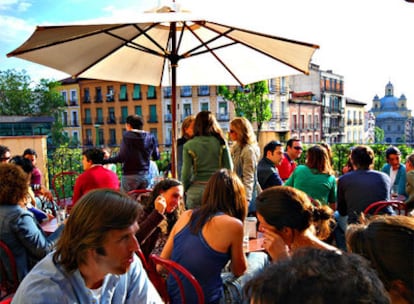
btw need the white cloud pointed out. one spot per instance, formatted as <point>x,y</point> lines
<point>18,5</point>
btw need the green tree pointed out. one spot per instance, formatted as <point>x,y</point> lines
<point>19,95</point>
<point>250,101</point>
<point>379,135</point>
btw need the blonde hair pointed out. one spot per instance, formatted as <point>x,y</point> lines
<point>244,131</point>
<point>185,124</point>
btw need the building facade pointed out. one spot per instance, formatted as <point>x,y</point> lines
<point>393,117</point>
<point>328,89</point>
<point>354,121</point>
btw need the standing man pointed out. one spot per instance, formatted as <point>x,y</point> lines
<point>267,173</point>
<point>395,170</point>
<point>95,259</point>
<point>95,175</point>
<point>293,151</point>
<point>137,148</point>
<point>4,154</point>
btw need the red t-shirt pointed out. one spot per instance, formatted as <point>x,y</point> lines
<point>286,167</point>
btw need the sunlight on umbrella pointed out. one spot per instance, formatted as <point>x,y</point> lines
<point>166,47</point>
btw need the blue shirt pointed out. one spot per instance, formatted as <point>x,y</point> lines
<point>49,283</point>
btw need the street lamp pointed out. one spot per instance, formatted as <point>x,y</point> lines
<point>97,134</point>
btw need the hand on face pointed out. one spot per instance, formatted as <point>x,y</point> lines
<point>160,204</point>
<point>274,245</point>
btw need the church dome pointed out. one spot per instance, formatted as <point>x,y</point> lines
<point>389,103</point>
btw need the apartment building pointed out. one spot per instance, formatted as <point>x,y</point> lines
<point>102,108</point>
<point>71,115</point>
<point>355,125</point>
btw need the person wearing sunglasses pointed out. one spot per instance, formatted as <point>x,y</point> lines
<point>4,154</point>
<point>293,151</point>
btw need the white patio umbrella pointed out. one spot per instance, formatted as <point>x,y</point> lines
<point>168,48</point>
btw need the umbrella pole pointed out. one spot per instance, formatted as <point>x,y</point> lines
<point>174,63</point>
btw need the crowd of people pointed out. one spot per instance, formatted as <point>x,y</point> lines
<point>311,222</point>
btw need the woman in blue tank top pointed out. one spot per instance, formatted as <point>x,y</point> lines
<point>205,239</point>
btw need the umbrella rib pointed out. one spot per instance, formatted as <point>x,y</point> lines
<point>164,51</point>
<point>214,54</point>
<point>267,36</point>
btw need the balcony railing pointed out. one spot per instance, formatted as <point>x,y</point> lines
<point>223,116</point>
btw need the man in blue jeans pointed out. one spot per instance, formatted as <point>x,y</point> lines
<point>137,148</point>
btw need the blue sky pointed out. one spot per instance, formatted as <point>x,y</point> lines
<point>369,42</point>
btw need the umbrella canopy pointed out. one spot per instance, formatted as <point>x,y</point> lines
<point>166,48</point>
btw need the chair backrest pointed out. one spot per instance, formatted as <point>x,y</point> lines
<point>63,184</point>
<point>398,206</point>
<point>138,193</point>
<point>8,285</point>
<point>174,269</point>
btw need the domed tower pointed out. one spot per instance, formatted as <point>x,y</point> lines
<point>391,115</point>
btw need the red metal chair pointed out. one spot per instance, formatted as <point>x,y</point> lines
<point>8,286</point>
<point>138,193</point>
<point>398,206</point>
<point>63,184</point>
<point>174,269</point>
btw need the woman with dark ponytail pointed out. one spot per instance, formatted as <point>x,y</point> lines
<point>290,221</point>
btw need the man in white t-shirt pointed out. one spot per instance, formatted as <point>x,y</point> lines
<point>396,171</point>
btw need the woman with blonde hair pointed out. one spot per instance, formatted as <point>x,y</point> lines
<point>245,154</point>
<point>203,155</point>
<point>316,178</point>
<point>187,132</point>
<point>290,221</point>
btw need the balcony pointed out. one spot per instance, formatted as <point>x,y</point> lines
<point>123,97</point>
<point>98,99</point>
<point>168,117</point>
<point>99,121</point>
<point>73,103</point>
<point>152,118</point>
<point>87,121</point>
<point>223,116</point>
<point>183,116</point>
<point>110,98</point>
<point>122,120</point>
<point>111,120</point>
<point>86,99</point>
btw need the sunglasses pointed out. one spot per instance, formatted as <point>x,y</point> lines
<point>298,148</point>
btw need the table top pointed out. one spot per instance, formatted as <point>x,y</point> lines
<point>256,244</point>
<point>50,226</point>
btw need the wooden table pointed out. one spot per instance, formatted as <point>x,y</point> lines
<point>50,226</point>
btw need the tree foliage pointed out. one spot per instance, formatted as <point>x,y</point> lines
<point>20,96</point>
<point>379,135</point>
<point>250,101</point>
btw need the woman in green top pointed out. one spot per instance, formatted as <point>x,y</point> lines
<point>203,155</point>
<point>316,178</point>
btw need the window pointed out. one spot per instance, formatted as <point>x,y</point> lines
<point>309,123</point>
<point>204,106</point>
<point>294,122</point>
<point>154,132</point>
<point>302,121</point>
<point>110,94</point>
<point>98,94</point>
<point>112,137</point>
<point>151,94</point>
<point>123,93</point>
<point>186,91</point>
<point>203,91</point>
<point>88,140</point>
<point>73,98</point>
<point>153,113</point>
<point>88,118</point>
<point>283,85</point>
<point>168,114</point>
<point>99,116</point>
<point>65,119</point>
<point>75,135</point>
<point>223,111</point>
<point>186,110</point>
<point>100,137</point>
<point>137,92</point>
<point>75,118</point>
<point>86,95</point>
<point>167,92</point>
<point>111,115</point>
<point>138,110</point>
<point>64,96</point>
<point>124,114</point>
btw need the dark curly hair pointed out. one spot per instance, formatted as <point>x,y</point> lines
<point>13,184</point>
